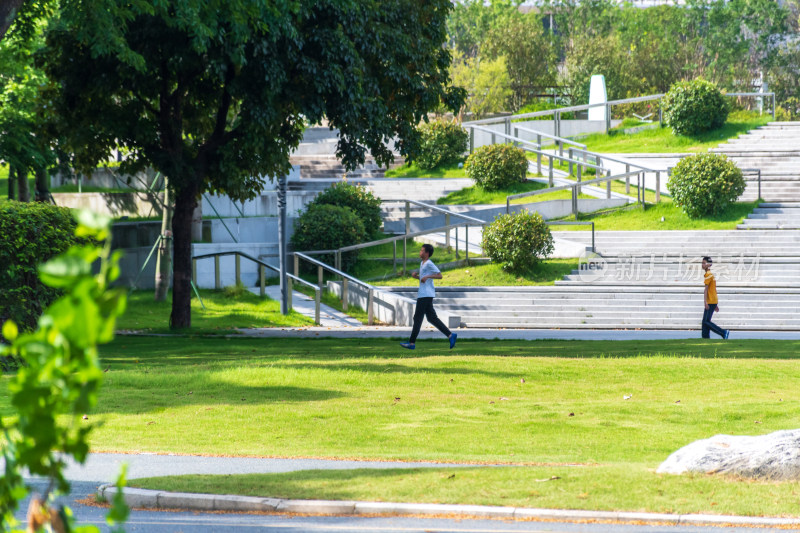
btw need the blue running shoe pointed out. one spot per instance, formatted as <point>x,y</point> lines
<point>727,334</point>
<point>453,338</point>
<point>407,345</point>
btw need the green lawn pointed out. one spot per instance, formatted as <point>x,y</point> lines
<point>540,404</point>
<point>411,170</point>
<point>649,219</point>
<point>662,140</point>
<point>476,195</point>
<point>491,275</point>
<point>225,310</point>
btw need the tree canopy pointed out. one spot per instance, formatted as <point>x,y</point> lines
<point>216,94</point>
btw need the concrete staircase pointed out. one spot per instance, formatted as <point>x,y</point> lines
<point>651,280</point>
<point>773,215</point>
<point>775,149</point>
<point>322,166</point>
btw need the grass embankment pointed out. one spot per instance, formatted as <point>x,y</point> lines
<point>491,275</point>
<point>542,404</point>
<point>662,140</point>
<point>224,311</point>
<point>411,170</point>
<point>476,195</point>
<point>649,219</point>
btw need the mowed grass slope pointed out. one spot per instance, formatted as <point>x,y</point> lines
<point>554,408</point>
<point>366,398</point>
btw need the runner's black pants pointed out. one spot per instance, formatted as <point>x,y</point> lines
<point>424,309</point>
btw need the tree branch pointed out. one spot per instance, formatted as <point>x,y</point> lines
<point>8,12</point>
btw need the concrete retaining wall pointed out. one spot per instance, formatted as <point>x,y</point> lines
<point>388,307</point>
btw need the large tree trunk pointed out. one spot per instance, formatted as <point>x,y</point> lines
<point>12,182</point>
<point>185,202</point>
<point>8,10</point>
<point>22,186</point>
<point>42,185</point>
<point>164,260</point>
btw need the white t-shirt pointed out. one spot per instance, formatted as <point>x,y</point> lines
<point>426,290</point>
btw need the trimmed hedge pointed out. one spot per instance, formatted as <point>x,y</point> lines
<point>496,166</point>
<point>328,227</point>
<point>692,107</point>
<point>441,143</point>
<point>360,199</point>
<point>518,241</point>
<point>705,184</point>
<point>30,234</point>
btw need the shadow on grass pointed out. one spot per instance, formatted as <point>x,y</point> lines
<point>133,396</point>
<point>179,351</point>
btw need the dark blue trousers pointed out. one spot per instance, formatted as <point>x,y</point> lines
<point>708,325</point>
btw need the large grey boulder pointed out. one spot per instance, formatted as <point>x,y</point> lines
<point>774,457</point>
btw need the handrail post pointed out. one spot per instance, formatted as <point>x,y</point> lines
<point>405,256</point>
<point>466,243</point>
<point>394,257</point>
<point>608,185</point>
<point>508,127</point>
<point>508,206</point>
<point>408,217</point>
<point>447,231</point>
<point>569,155</point>
<point>608,118</point>
<point>575,202</point>
<point>456,229</point>
<point>344,293</point>
<point>319,277</point>
<point>627,179</point>
<point>594,249</point>
<point>550,172</point>
<point>317,301</point>
<point>370,312</point>
<point>579,178</point>
<point>658,186</point>
<point>759,175</point>
<point>194,271</point>
<point>289,289</point>
<point>261,280</point>
<point>238,269</point>
<point>216,272</point>
<point>471,139</point>
<point>539,154</point>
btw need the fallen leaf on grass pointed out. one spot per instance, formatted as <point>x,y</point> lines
<point>553,478</point>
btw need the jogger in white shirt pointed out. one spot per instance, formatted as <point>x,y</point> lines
<point>424,308</point>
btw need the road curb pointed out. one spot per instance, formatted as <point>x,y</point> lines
<point>153,499</point>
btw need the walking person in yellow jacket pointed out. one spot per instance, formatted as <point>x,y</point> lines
<point>710,300</point>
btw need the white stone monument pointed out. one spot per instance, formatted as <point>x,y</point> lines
<point>598,95</point>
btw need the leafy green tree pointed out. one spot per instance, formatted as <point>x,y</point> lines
<point>487,83</point>
<point>600,55</point>
<point>529,53</point>
<point>471,21</point>
<point>215,94</point>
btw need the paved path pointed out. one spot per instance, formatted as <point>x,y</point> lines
<point>328,316</point>
<point>428,332</point>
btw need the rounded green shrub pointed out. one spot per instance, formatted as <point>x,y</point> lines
<point>705,184</point>
<point>31,234</point>
<point>518,241</point>
<point>358,198</point>
<point>496,166</point>
<point>441,143</point>
<point>692,107</point>
<point>328,227</point>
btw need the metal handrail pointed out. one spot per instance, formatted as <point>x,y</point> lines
<point>573,186</point>
<point>506,136</point>
<point>345,279</point>
<point>437,209</point>
<point>548,136</point>
<point>262,281</point>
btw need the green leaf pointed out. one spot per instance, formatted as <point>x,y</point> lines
<point>10,330</point>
